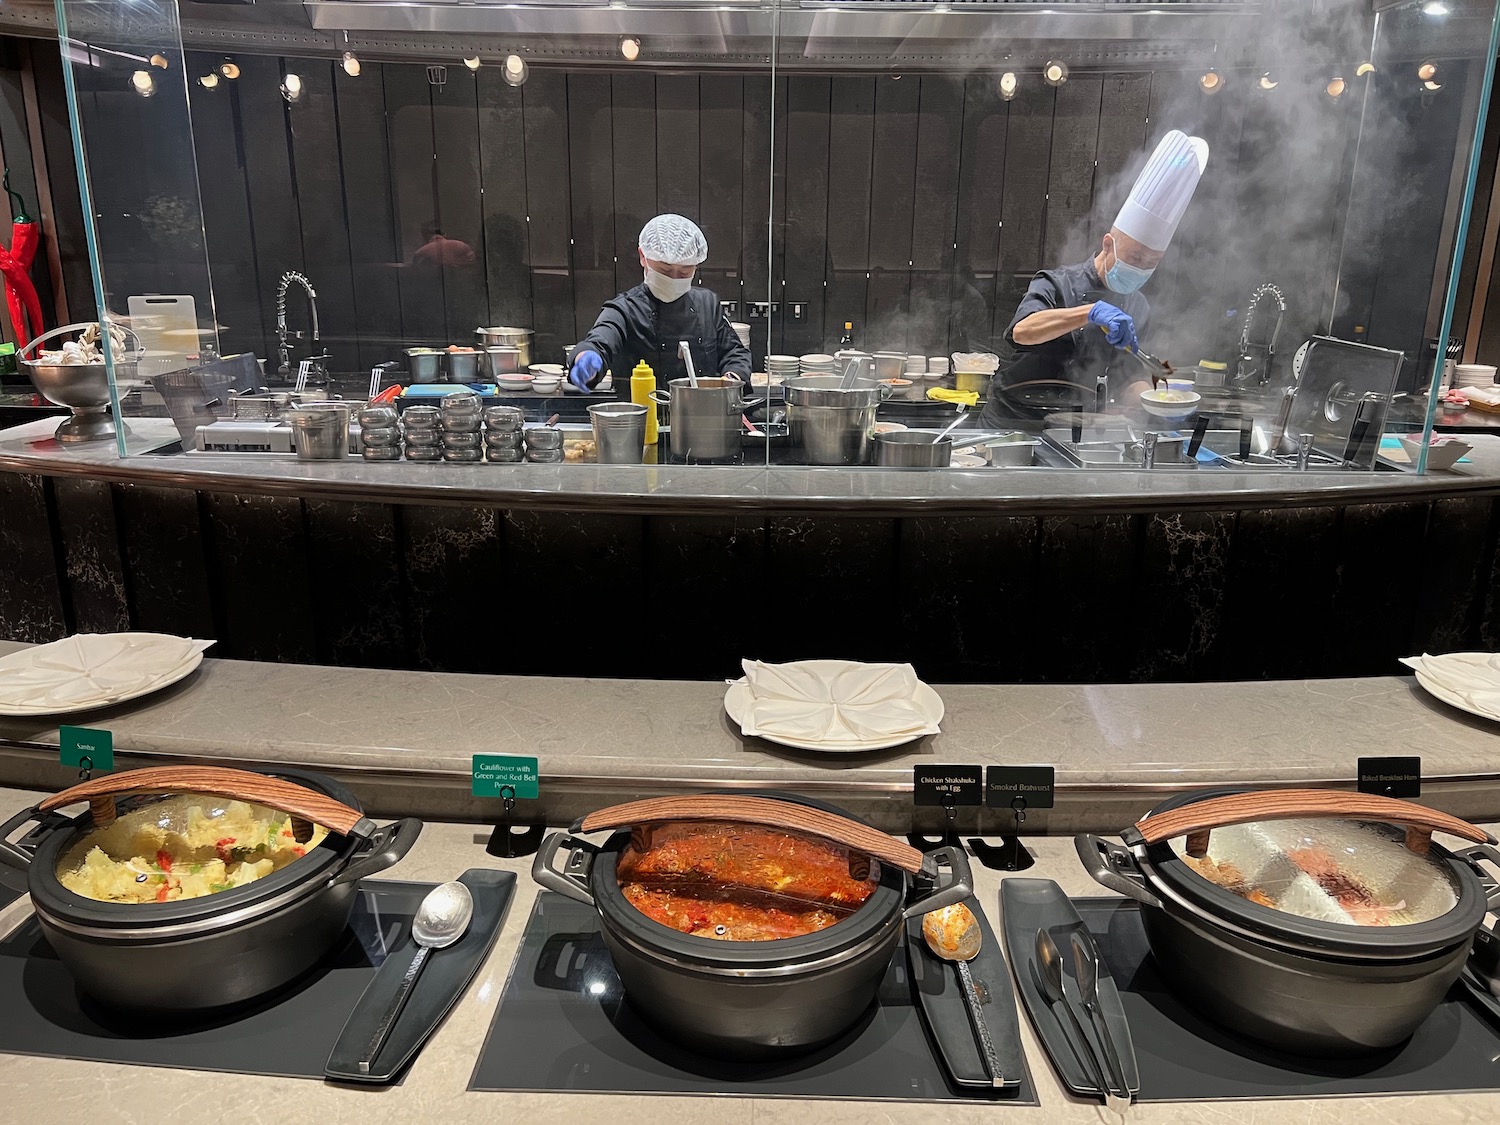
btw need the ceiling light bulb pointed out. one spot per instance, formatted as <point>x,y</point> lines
<point>143,82</point>
<point>229,68</point>
<point>1363,69</point>
<point>1435,8</point>
<point>1056,73</point>
<point>350,64</point>
<point>472,62</point>
<point>1268,82</point>
<point>1008,85</point>
<point>159,61</point>
<point>516,70</point>
<point>1335,87</point>
<point>1427,71</point>
<point>630,48</point>
<point>1211,82</point>
<point>291,88</point>
<point>209,80</point>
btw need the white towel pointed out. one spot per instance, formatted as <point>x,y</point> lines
<point>90,668</point>
<point>828,701</point>
<point>1472,676</point>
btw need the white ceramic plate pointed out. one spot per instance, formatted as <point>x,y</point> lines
<point>26,657</point>
<point>1438,691</point>
<point>737,704</point>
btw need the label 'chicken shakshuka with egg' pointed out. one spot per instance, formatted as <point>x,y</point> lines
<point>737,882</point>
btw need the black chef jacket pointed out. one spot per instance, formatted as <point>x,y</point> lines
<point>1029,380</point>
<point>636,326</point>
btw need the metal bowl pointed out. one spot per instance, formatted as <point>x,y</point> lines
<point>82,387</point>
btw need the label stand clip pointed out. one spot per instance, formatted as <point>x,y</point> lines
<point>505,842</point>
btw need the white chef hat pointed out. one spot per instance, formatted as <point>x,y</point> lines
<point>673,240</point>
<point>1163,190</point>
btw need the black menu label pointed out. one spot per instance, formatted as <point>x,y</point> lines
<point>1391,777</point>
<point>947,785</point>
<point>1032,784</point>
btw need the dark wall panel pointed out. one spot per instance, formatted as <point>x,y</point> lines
<point>721,119</point>
<point>591,160</point>
<point>549,205</point>
<point>1023,201</point>
<point>806,210</point>
<point>408,116</point>
<point>169,575</point>
<point>851,146</point>
<point>678,147</point>
<point>633,119</point>
<point>369,207</point>
<point>459,204</point>
<point>93,569</point>
<point>31,597</point>
<point>502,149</point>
<point>320,203</point>
<point>981,177</point>
<point>1070,177</point>
<point>892,198</point>
<point>262,570</point>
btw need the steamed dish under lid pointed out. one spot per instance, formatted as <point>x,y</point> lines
<point>741,882</point>
<point>180,847</point>
<point>1340,871</point>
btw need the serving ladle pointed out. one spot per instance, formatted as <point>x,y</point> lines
<point>951,426</point>
<point>441,920</point>
<point>953,934</point>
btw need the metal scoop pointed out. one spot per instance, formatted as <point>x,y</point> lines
<point>441,920</point>
<point>953,934</point>
<point>687,361</point>
<point>951,426</point>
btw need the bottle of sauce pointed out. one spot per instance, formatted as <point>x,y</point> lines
<point>642,383</point>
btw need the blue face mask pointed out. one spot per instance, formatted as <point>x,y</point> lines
<point>1122,277</point>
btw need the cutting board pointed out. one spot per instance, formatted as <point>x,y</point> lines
<point>168,328</point>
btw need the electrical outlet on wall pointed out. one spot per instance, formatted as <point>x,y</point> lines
<point>731,308</point>
<point>759,310</point>
<point>799,311</point>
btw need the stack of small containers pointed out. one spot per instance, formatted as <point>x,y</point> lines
<point>459,417</point>
<point>544,445</point>
<point>419,425</point>
<point>502,434</point>
<point>379,433</point>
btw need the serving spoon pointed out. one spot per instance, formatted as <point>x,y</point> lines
<point>953,934</point>
<point>951,426</point>
<point>441,920</point>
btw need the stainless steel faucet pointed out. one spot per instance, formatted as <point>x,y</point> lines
<point>1249,368</point>
<point>284,354</point>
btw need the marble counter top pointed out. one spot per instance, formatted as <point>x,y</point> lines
<point>1114,746</point>
<point>37,1089</point>
<point>646,488</point>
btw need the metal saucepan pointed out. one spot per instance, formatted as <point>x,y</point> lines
<point>1318,921</point>
<point>716,992</point>
<point>706,422</point>
<point>223,948</point>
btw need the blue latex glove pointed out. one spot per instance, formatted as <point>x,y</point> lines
<point>1116,323</point>
<point>585,366</point>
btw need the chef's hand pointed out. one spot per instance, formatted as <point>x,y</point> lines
<point>585,366</point>
<point>1116,323</point>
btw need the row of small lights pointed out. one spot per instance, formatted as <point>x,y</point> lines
<point>1055,73</point>
<point>514,70</point>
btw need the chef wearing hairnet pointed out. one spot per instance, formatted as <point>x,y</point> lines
<point>651,320</point>
<point>1076,323</point>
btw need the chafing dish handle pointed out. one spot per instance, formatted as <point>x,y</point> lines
<point>381,848</point>
<point>1114,867</point>
<point>1489,883</point>
<point>959,887</point>
<point>573,881</point>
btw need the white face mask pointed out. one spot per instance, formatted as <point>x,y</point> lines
<point>667,289</point>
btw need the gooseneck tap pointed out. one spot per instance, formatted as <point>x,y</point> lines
<point>1248,366</point>
<point>284,355</point>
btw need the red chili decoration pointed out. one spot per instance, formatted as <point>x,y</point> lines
<point>15,267</point>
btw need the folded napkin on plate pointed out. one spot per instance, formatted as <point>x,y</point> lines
<point>825,701</point>
<point>91,667</point>
<point>1472,676</point>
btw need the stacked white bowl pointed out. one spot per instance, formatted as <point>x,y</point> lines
<point>741,330</point>
<point>916,366</point>
<point>780,367</point>
<point>818,363</point>
<point>937,366</point>
<point>1474,375</point>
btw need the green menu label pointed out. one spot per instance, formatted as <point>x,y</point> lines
<point>500,775</point>
<point>84,748</point>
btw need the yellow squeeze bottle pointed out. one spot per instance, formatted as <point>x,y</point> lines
<point>642,383</point>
